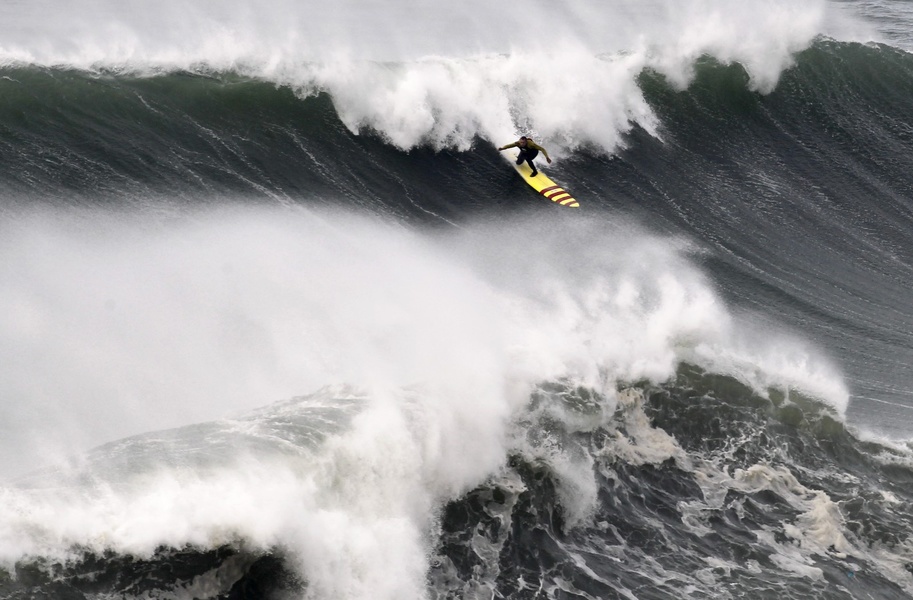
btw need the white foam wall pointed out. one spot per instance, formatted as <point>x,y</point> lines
<point>113,324</point>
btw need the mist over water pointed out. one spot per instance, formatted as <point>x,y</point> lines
<point>148,325</point>
<point>111,32</point>
<point>115,324</point>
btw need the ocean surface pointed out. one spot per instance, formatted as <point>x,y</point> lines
<point>277,319</point>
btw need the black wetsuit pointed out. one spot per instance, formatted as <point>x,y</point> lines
<point>528,154</point>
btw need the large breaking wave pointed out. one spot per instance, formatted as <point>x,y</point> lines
<point>463,391</point>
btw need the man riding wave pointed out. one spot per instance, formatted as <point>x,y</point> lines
<point>528,151</point>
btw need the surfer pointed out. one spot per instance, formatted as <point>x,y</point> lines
<point>528,151</point>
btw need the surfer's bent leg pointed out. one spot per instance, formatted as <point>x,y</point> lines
<point>528,155</point>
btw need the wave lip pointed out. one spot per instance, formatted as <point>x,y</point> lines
<point>415,83</point>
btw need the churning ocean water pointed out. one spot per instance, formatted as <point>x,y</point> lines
<point>278,321</point>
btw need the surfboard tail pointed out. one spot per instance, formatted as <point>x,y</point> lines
<point>558,194</point>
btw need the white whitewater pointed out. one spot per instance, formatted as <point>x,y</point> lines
<point>116,325</point>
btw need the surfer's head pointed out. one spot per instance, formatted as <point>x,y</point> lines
<point>523,140</point>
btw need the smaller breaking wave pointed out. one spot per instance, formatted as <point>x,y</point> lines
<point>347,484</point>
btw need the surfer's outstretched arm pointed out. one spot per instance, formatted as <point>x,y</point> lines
<point>528,145</point>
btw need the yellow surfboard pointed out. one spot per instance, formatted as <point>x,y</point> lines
<point>545,186</point>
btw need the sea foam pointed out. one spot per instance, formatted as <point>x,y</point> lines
<point>439,339</point>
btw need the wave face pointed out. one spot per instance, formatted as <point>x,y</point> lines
<point>277,321</point>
